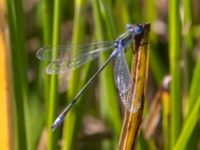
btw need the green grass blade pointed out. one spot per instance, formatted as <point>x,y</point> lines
<point>110,116</point>
<point>53,102</point>
<point>47,15</point>
<point>19,68</point>
<point>149,11</point>
<point>188,37</point>
<point>106,15</point>
<point>134,11</point>
<point>142,143</point>
<point>188,127</point>
<point>194,88</point>
<point>107,88</point>
<point>74,117</point>
<point>193,96</point>
<point>175,54</point>
<point>112,97</point>
<point>124,12</point>
<point>44,15</point>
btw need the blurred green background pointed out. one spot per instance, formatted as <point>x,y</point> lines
<point>95,121</point>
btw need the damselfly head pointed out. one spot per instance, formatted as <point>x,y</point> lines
<point>134,29</point>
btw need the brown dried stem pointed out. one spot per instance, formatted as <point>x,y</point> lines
<point>139,74</point>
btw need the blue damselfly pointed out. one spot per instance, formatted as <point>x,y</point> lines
<point>67,61</point>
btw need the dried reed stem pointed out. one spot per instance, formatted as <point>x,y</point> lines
<point>139,73</point>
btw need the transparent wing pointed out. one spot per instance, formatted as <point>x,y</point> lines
<point>69,51</point>
<point>66,64</point>
<point>124,83</point>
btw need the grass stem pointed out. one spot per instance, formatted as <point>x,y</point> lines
<point>174,59</point>
<point>53,102</point>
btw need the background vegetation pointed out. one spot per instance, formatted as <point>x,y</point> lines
<point>171,118</point>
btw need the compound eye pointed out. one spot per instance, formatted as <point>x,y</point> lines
<point>138,29</point>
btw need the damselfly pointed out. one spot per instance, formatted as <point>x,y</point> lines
<point>66,61</point>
